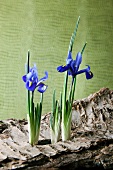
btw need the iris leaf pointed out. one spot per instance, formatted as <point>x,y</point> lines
<point>27,71</point>
<point>55,118</point>
<point>83,47</point>
<point>74,35</point>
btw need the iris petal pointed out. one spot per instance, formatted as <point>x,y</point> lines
<point>41,88</point>
<point>34,70</point>
<point>63,68</point>
<point>69,58</point>
<point>31,80</point>
<point>29,75</point>
<point>87,71</point>
<point>30,87</point>
<point>43,78</point>
<point>72,66</point>
<point>78,61</point>
<point>34,74</point>
<point>84,70</point>
<point>24,78</point>
<point>89,75</point>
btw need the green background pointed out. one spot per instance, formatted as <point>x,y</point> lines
<point>45,27</point>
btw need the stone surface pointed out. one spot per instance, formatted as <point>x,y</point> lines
<point>91,144</point>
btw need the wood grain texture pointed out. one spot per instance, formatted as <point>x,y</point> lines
<point>90,146</point>
<point>45,28</point>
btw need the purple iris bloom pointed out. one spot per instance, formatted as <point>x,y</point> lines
<point>32,82</point>
<point>72,66</point>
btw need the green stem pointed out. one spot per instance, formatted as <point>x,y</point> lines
<point>70,92</point>
<point>73,89</point>
<point>64,108</point>
<point>41,99</point>
<point>64,95</point>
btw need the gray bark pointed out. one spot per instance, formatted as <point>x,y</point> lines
<point>91,144</point>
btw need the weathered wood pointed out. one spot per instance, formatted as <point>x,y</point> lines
<point>91,144</point>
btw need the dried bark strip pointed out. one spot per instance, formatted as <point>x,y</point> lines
<point>91,144</point>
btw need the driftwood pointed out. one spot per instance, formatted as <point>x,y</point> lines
<point>91,144</point>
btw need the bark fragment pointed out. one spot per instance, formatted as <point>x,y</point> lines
<point>91,144</point>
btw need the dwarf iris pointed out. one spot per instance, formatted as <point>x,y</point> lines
<point>72,66</point>
<point>34,112</point>
<point>32,82</point>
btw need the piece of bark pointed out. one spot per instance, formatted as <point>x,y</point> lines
<point>91,144</point>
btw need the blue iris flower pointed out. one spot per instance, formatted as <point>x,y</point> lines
<point>32,82</point>
<point>72,66</point>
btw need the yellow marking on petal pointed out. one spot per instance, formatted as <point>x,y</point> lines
<point>30,83</point>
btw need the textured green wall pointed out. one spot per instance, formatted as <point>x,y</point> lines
<point>44,27</point>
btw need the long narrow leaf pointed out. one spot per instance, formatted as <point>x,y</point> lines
<point>60,104</point>
<point>37,111</point>
<point>26,72</point>
<point>56,112</point>
<point>38,114</point>
<point>83,47</point>
<point>54,104</point>
<point>74,35</point>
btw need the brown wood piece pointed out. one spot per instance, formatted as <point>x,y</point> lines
<point>91,144</point>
